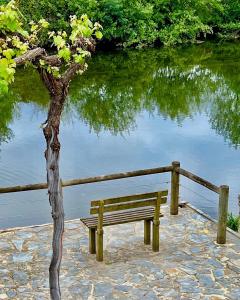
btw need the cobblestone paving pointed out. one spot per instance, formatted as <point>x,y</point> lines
<point>190,265</point>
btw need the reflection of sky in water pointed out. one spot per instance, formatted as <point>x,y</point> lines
<point>154,142</point>
<point>175,104</point>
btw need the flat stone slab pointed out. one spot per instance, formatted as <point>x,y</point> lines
<point>189,265</point>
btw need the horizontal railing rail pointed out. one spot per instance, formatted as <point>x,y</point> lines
<point>175,170</point>
<point>41,186</point>
<point>199,180</point>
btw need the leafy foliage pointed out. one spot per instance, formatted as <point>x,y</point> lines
<point>16,41</point>
<point>233,222</point>
<point>143,22</point>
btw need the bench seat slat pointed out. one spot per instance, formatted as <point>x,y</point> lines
<point>126,217</point>
<point>122,221</point>
<point>122,214</point>
<point>110,220</point>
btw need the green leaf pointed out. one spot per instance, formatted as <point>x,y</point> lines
<point>34,27</point>
<point>9,53</point>
<point>65,53</point>
<point>3,87</point>
<point>3,68</point>
<point>98,35</point>
<point>7,70</point>
<point>59,42</point>
<point>55,72</point>
<point>43,23</point>
<point>78,58</point>
<point>42,62</point>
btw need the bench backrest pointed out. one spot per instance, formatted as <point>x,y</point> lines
<point>129,202</point>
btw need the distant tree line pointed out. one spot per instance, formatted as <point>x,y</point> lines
<point>143,22</point>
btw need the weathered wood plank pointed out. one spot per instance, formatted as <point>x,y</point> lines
<point>149,210</point>
<point>222,214</point>
<point>113,216</point>
<point>131,212</point>
<point>116,219</point>
<point>119,176</point>
<point>174,188</point>
<point>199,180</point>
<point>147,232</point>
<point>23,188</point>
<point>129,198</point>
<point>100,232</point>
<point>122,213</point>
<point>130,205</point>
<point>119,219</point>
<point>156,223</point>
<point>122,221</point>
<point>92,240</point>
<point>40,186</point>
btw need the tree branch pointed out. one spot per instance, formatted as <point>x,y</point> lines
<point>53,60</point>
<point>30,56</point>
<point>71,72</point>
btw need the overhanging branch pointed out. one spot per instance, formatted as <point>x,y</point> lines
<point>30,56</point>
<point>71,72</point>
<point>53,60</point>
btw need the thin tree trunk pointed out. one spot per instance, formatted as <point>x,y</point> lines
<point>56,201</point>
<point>51,132</point>
<point>58,89</point>
<point>58,92</point>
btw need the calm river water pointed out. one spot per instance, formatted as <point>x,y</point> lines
<point>131,110</point>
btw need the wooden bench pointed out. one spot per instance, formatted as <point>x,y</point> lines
<point>140,207</point>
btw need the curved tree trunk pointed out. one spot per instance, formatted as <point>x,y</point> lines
<point>56,201</point>
<point>58,91</point>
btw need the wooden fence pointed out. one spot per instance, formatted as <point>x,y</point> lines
<point>176,171</point>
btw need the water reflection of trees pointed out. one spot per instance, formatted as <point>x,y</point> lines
<point>225,117</point>
<point>7,114</point>
<point>174,83</point>
<point>27,88</point>
<point>121,85</point>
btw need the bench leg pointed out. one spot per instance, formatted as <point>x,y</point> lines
<point>92,240</point>
<point>100,245</point>
<point>155,240</point>
<point>147,232</point>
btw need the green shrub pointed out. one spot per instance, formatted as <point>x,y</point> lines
<point>143,22</point>
<point>233,222</point>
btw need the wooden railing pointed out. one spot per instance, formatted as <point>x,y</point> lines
<point>222,191</point>
<point>175,170</point>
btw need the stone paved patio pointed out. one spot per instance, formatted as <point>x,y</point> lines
<point>190,265</point>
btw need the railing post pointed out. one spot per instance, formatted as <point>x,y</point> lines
<point>222,214</point>
<point>174,188</point>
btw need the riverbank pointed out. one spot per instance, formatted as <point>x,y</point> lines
<point>142,23</point>
<point>190,265</point>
